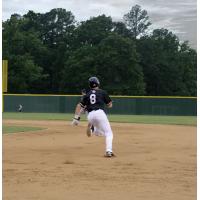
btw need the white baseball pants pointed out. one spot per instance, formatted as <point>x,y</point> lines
<point>102,127</point>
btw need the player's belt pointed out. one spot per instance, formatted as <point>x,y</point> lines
<point>94,109</point>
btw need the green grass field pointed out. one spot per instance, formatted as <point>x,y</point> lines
<point>145,119</point>
<point>15,129</point>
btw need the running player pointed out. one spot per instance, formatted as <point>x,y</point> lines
<point>98,123</point>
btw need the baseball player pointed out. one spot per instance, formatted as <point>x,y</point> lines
<point>20,108</point>
<point>98,123</point>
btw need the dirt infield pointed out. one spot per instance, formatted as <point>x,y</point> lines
<point>153,162</point>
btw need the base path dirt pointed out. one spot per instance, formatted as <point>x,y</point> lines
<point>154,162</point>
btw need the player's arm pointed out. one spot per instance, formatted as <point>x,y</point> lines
<point>109,105</point>
<point>78,110</point>
<point>108,100</point>
<point>77,114</point>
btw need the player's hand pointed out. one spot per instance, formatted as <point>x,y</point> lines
<point>76,120</point>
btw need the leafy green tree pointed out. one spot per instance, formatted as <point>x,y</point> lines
<point>188,63</point>
<point>32,22</point>
<point>19,44</point>
<point>114,61</point>
<point>79,66</point>
<point>163,64</point>
<point>118,66</point>
<point>55,31</point>
<point>23,74</point>
<point>92,31</point>
<point>51,53</point>
<point>121,29</point>
<point>10,29</point>
<point>137,21</point>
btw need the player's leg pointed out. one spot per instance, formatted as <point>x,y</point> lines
<point>97,132</point>
<point>103,126</point>
<point>93,130</point>
<point>89,130</point>
<point>99,120</point>
<point>91,122</point>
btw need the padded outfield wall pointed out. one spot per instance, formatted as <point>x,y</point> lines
<point>135,105</point>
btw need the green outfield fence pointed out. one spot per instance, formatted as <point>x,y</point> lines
<point>135,105</point>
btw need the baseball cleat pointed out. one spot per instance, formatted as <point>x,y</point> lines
<point>90,130</point>
<point>109,154</point>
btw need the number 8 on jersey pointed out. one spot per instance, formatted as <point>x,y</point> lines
<point>93,98</point>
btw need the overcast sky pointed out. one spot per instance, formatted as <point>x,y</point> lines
<point>179,16</point>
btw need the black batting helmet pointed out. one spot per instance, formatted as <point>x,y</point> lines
<point>94,82</point>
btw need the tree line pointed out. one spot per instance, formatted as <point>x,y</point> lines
<point>53,53</point>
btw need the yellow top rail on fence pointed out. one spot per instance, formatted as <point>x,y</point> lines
<point>116,96</point>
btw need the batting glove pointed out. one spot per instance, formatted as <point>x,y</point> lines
<point>76,120</point>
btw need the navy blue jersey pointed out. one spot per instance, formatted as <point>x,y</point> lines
<point>95,99</point>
